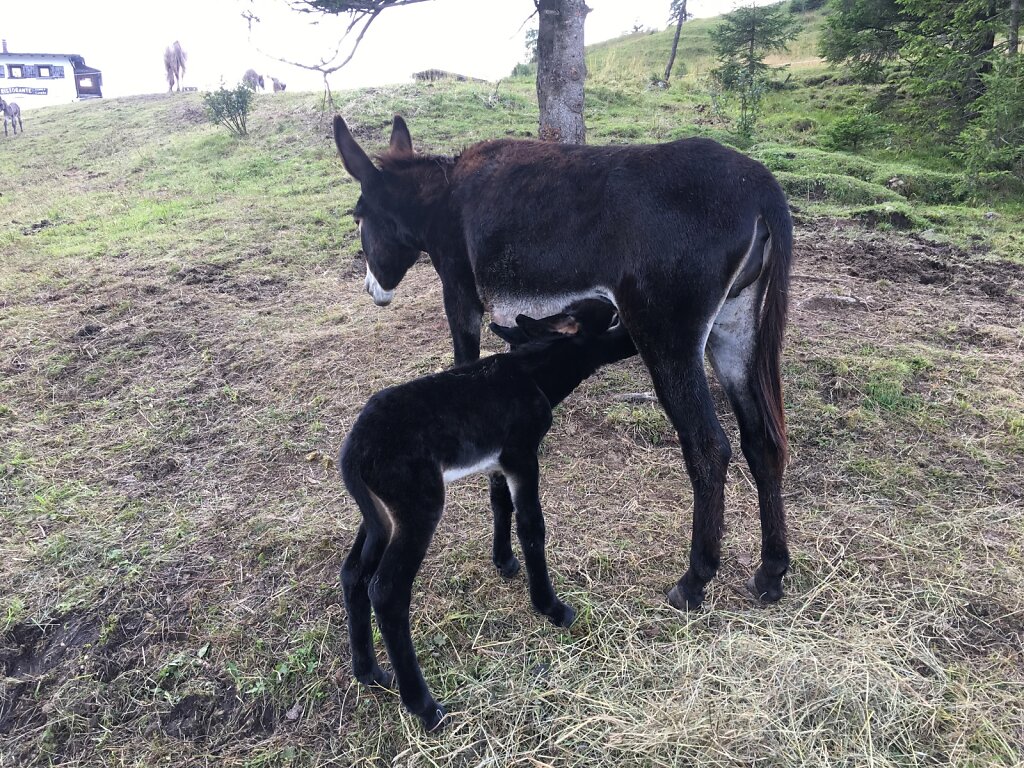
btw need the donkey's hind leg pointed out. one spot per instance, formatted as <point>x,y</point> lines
<point>355,576</point>
<point>503,510</point>
<point>732,347</point>
<point>673,349</point>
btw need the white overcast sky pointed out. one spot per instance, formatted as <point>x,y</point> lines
<point>126,38</point>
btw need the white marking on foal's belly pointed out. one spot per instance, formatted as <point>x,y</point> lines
<point>504,309</point>
<point>484,464</point>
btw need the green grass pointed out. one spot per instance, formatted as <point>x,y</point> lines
<point>184,342</point>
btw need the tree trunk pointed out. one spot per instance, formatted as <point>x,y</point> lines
<point>675,42</point>
<point>1014,27</point>
<point>561,70</point>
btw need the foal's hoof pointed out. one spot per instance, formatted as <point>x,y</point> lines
<point>432,717</point>
<point>562,615</point>
<point>509,568</point>
<point>377,678</point>
<point>682,602</point>
<point>766,591</point>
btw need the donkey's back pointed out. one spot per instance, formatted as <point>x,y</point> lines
<point>575,218</point>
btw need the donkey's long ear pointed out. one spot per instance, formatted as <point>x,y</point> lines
<point>356,161</point>
<point>401,140</point>
<point>511,335</point>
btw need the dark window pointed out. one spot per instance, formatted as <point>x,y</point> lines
<point>16,70</point>
<point>31,70</point>
<point>58,71</point>
<point>2,73</point>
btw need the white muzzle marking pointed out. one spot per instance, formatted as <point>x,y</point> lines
<point>380,297</point>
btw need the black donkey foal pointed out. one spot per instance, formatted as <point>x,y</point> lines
<point>412,439</point>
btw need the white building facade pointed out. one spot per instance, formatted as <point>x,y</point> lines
<point>41,79</point>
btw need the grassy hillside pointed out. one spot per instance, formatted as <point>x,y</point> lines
<point>184,341</point>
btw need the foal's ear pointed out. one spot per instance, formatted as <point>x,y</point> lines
<point>355,160</point>
<point>511,335</point>
<point>401,140</point>
<point>567,325</point>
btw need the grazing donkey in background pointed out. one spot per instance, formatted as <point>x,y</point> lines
<point>278,85</point>
<point>252,80</point>
<point>174,65</point>
<point>412,439</point>
<point>12,112</point>
<point>691,241</point>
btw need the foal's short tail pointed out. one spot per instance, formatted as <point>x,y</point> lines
<point>772,323</point>
<point>376,529</point>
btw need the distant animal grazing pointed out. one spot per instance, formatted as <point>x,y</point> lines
<point>278,85</point>
<point>692,242</point>
<point>251,79</point>
<point>174,65</point>
<point>11,112</point>
<point>412,439</point>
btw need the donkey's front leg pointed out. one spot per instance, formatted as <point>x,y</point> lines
<point>523,479</point>
<point>464,311</point>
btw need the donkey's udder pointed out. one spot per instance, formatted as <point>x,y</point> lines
<point>505,309</point>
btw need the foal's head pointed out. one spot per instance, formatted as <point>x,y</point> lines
<point>385,211</point>
<point>585,318</point>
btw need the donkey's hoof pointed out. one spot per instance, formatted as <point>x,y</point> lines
<point>509,568</point>
<point>377,678</point>
<point>682,602</point>
<point>562,615</point>
<point>770,592</point>
<point>433,717</point>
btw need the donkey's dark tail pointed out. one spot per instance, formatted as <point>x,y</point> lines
<point>772,322</point>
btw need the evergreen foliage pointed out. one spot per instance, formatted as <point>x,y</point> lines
<point>750,33</point>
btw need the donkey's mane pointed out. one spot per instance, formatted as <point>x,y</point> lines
<point>430,173</point>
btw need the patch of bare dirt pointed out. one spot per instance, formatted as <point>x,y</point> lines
<point>874,257</point>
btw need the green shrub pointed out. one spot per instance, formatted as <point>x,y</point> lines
<point>853,130</point>
<point>229,108</point>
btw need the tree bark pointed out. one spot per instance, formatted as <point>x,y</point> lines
<point>561,70</point>
<point>675,42</point>
<point>1014,28</point>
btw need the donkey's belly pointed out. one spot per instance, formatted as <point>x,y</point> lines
<point>506,307</point>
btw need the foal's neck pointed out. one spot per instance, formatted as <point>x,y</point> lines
<point>559,367</point>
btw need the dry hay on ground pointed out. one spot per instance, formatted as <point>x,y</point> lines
<point>179,526</point>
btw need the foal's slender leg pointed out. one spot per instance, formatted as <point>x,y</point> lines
<point>683,390</point>
<point>390,589</point>
<point>355,576</point>
<point>731,347</point>
<point>524,480</point>
<point>503,509</point>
